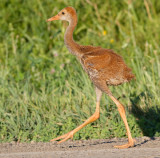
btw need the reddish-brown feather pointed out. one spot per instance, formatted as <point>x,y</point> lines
<point>104,64</point>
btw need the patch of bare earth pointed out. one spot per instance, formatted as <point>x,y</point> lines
<point>144,148</point>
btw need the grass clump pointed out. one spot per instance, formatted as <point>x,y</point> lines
<point>43,90</point>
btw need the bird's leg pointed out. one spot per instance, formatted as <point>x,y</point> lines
<point>123,116</point>
<point>94,117</point>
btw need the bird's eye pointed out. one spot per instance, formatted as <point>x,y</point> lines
<point>63,13</point>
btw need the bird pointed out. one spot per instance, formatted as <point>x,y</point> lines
<point>104,67</point>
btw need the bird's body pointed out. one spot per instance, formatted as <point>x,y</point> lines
<point>103,66</point>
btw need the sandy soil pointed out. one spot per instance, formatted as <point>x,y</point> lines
<point>145,148</point>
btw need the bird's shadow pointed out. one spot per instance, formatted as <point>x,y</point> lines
<point>148,118</point>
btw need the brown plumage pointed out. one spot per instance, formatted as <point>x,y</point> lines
<point>104,64</point>
<point>104,68</point>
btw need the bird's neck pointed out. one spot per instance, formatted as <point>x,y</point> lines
<point>72,46</point>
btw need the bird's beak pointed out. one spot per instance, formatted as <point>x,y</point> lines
<point>57,17</point>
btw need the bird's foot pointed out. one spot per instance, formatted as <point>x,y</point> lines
<point>64,137</point>
<point>128,145</point>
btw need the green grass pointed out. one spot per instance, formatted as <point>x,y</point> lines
<point>43,90</point>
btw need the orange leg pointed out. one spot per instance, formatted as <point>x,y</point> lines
<point>94,117</point>
<point>70,134</point>
<point>123,116</point>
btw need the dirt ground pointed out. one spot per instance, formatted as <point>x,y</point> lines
<point>145,148</point>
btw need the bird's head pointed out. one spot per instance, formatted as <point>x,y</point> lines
<point>66,14</point>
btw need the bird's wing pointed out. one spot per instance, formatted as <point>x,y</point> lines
<point>100,59</point>
<point>107,65</point>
